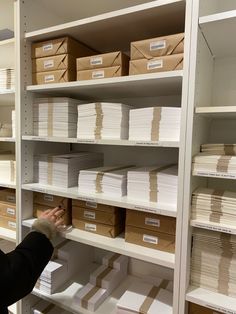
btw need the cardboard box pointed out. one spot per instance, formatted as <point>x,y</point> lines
<point>150,221</point>
<point>93,205</point>
<point>197,309</point>
<point>53,63</point>
<point>52,200</point>
<point>8,196</point>
<point>59,76</point>
<point>157,47</point>
<point>105,230</point>
<point>162,64</point>
<point>152,239</point>
<point>39,209</point>
<point>58,46</point>
<point>102,73</point>
<point>8,210</point>
<point>8,223</point>
<point>91,297</point>
<point>104,217</point>
<point>116,261</point>
<point>103,61</point>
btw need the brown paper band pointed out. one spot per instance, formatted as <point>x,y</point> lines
<point>50,118</point>
<point>229,149</point>
<point>12,165</point>
<point>223,164</point>
<point>8,78</point>
<point>153,182</point>
<point>99,121</point>
<point>50,170</point>
<point>88,296</point>
<point>102,275</point>
<point>144,308</point>
<point>216,207</point>
<point>48,308</point>
<point>155,128</point>
<point>113,258</point>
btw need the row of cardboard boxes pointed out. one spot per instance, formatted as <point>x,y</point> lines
<point>141,228</point>
<point>65,59</point>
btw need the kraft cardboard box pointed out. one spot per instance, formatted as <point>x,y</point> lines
<point>197,309</point>
<point>8,209</point>
<point>39,209</point>
<point>8,196</point>
<point>95,215</point>
<point>53,63</point>
<point>103,61</point>
<point>93,205</point>
<point>59,76</point>
<point>161,64</point>
<point>52,200</point>
<point>150,221</point>
<point>102,73</point>
<point>58,46</point>
<point>157,47</point>
<point>8,223</point>
<point>152,239</point>
<point>97,228</point>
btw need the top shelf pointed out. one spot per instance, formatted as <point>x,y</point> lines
<point>7,42</point>
<point>219,32</point>
<point>155,18</point>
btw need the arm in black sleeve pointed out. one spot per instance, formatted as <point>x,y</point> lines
<point>20,269</point>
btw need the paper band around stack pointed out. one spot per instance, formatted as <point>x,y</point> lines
<point>155,128</point>
<point>216,207</point>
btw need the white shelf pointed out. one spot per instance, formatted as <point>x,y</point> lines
<point>174,144</point>
<point>7,42</point>
<point>220,175</point>
<point>7,97</point>
<point>152,18</point>
<point>219,31</point>
<point>7,185</point>
<point>7,139</point>
<point>65,298</point>
<point>154,84</point>
<point>212,300</point>
<point>99,198</point>
<point>13,308</point>
<point>217,112</point>
<point>116,245</point>
<point>213,226</point>
<point>7,234</point>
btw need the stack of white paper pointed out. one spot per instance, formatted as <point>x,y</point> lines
<point>155,124</point>
<point>214,261</point>
<point>143,297</point>
<point>218,206</point>
<point>103,121</point>
<point>43,307</point>
<point>63,170</point>
<point>7,168</point>
<point>5,130</point>
<point>7,79</point>
<point>157,184</point>
<point>55,117</point>
<point>111,180</point>
<point>219,149</point>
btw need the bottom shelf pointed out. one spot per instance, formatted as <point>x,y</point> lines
<point>65,298</point>
<point>7,234</point>
<point>212,300</point>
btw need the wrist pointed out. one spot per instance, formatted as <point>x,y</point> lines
<point>45,227</point>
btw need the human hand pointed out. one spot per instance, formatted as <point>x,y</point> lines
<point>54,216</point>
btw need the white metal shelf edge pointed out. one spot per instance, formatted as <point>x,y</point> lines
<point>7,139</point>
<point>217,17</point>
<point>7,234</point>
<point>213,226</point>
<point>7,42</point>
<point>217,111</point>
<point>8,185</point>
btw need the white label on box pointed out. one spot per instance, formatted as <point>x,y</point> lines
<point>91,204</point>
<point>157,64</point>
<point>150,239</point>
<point>12,224</point>
<point>152,222</point>
<point>90,227</point>
<point>96,61</point>
<point>98,74</point>
<point>48,197</point>
<point>11,211</point>
<point>49,78</point>
<point>156,45</point>
<point>89,214</point>
<point>48,64</point>
<point>11,198</point>
<point>48,47</point>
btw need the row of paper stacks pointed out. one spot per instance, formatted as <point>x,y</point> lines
<point>7,167</point>
<point>64,117</point>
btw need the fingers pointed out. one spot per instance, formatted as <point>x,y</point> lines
<point>59,222</point>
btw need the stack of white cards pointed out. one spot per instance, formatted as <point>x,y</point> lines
<point>110,180</point>
<point>7,168</point>
<point>214,261</point>
<point>157,184</point>
<point>7,79</point>
<point>155,124</point>
<point>43,307</point>
<point>103,121</point>
<point>218,206</point>
<point>55,117</point>
<point>63,170</point>
<point>142,297</point>
<point>219,149</point>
